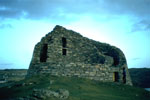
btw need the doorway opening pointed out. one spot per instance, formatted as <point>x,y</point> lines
<point>115,76</point>
<point>124,75</point>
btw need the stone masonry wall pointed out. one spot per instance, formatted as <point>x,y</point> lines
<point>64,52</point>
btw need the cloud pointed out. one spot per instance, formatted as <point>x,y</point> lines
<point>135,7</point>
<point>59,8</point>
<point>38,8</point>
<point>136,59</point>
<point>6,65</point>
<point>69,10</point>
<point>143,25</point>
<point>5,26</point>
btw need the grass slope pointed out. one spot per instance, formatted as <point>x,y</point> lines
<point>80,89</point>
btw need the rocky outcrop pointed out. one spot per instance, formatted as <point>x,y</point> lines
<point>42,94</point>
<point>64,52</point>
<point>46,94</point>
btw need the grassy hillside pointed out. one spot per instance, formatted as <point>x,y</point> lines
<point>79,89</point>
<point>140,77</point>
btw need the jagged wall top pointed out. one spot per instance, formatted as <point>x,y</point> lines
<point>81,49</point>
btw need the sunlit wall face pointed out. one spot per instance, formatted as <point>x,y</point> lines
<point>123,23</point>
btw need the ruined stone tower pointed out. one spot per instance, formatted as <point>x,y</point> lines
<point>64,52</point>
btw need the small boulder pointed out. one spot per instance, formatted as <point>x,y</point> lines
<point>64,94</point>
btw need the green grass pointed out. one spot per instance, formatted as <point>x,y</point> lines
<point>80,89</point>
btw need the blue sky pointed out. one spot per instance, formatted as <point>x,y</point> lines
<point>122,23</point>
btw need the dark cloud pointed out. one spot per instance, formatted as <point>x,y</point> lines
<point>60,9</point>
<point>40,8</point>
<point>50,8</point>
<point>135,7</point>
<point>143,25</point>
<point>65,10</point>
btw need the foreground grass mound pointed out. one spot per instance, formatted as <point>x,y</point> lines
<point>79,89</point>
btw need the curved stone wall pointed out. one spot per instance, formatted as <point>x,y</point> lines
<point>64,52</point>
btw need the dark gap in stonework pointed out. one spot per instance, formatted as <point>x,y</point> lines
<point>64,51</point>
<point>43,54</point>
<point>124,75</point>
<point>64,42</point>
<point>116,61</point>
<point>116,76</point>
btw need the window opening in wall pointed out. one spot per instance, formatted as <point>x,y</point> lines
<point>64,42</point>
<point>64,51</point>
<point>116,61</point>
<point>124,75</point>
<point>115,76</point>
<point>43,53</point>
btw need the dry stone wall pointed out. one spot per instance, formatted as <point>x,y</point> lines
<point>64,52</point>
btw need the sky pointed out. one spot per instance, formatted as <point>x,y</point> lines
<point>122,23</point>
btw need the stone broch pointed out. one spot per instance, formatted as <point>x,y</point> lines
<point>64,52</point>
